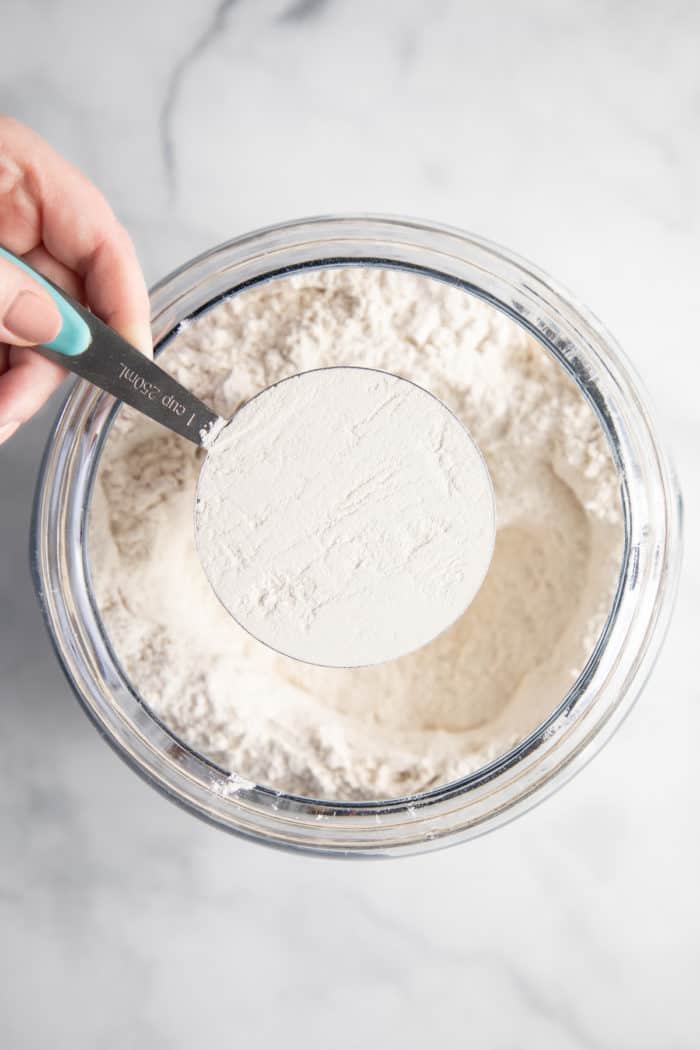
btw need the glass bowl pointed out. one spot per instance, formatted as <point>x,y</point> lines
<point>585,718</point>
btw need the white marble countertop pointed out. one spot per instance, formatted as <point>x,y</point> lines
<point>569,132</point>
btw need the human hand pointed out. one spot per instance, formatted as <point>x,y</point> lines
<point>52,216</point>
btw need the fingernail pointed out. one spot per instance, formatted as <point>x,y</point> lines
<point>33,318</point>
<point>8,429</point>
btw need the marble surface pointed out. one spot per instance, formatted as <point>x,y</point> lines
<point>569,131</point>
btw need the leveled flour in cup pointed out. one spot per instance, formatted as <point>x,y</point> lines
<point>345,517</point>
<point>433,715</point>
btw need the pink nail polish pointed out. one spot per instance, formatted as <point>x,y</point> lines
<point>33,318</point>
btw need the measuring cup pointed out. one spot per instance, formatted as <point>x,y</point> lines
<point>402,543</point>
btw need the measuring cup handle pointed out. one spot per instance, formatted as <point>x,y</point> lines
<point>74,336</point>
<point>90,349</point>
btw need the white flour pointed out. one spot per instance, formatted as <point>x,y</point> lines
<point>345,517</point>
<point>473,692</point>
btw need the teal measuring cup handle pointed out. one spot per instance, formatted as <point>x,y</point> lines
<point>90,349</point>
<point>75,336</point>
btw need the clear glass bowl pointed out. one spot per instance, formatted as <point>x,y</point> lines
<point>585,718</point>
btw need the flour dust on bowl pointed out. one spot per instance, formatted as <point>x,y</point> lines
<point>468,730</point>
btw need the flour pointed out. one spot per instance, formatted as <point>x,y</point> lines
<point>458,702</point>
<point>345,517</point>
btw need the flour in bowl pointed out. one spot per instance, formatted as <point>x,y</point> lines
<point>451,706</point>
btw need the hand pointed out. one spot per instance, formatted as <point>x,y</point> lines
<point>53,217</point>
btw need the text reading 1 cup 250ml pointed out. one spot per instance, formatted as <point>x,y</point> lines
<point>151,392</point>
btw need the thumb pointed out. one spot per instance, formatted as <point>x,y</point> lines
<point>28,314</point>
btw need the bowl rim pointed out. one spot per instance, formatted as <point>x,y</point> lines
<point>430,832</point>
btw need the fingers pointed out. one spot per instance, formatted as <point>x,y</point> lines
<point>116,291</point>
<point>44,198</point>
<point>26,378</point>
<point>49,267</point>
<point>28,314</point>
<point>53,215</point>
<point>24,387</point>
